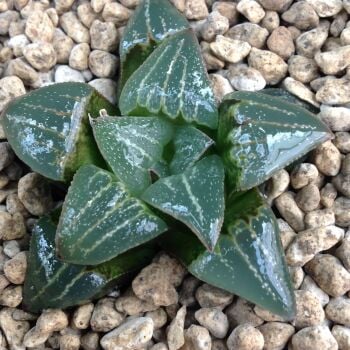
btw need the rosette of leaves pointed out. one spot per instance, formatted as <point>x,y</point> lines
<point>166,168</point>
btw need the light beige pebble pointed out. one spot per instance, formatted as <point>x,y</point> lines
<point>342,141</point>
<point>319,218</point>
<point>326,8</point>
<point>327,158</point>
<point>11,248</point>
<point>252,10</point>
<point>14,331</point>
<point>106,87</point>
<point>275,5</point>
<point>35,194</point>
<point>220,85</point>
<point>296,275</point>
<point>175,333</point>
<point>281,42</point>
<point>335,61</point>
<point>214,320</point>
<point>302,15</point>
<point>309,310</point>
<point>328,272</point>
<point>310,242</point>
<point>82,315</point>
<point>302,68</point>
<point>40,55</point>
<point>316,337</point>
<point>11,296</point>
<point>338,24</point>
<point>308,198</point>
<point>244,78</point>
<point>197,338</point>
<point>6,18</point>
<point>23,70</point>
<point>15,268</point>
<point>4,282</point>
<point>187,291</point>
<point>328,195</point>
<point>33,6</point>
<point>277,184</point>
<point>159,346</point>
<point>298,89</point>
<point>159,318</point>
<point>271,21</point>
<point>242,312</point>
<point>74,28</point>
<point>227,9</point>
<point>17,28</point>
<point>342,336</point>
<point>62,6</point>
<point>341,210</point>
<point>289,210</point>
<point>104,36</point>
<point>245,337</point>
<point>131,305</point>
<point>34,338</point>
<point>210,60</point>
<point>39,27</point>
<point>79,56</point>
<point>130,3</point>
<point>270,65</point>
<point>86,14</point>
<point>251,33</point>
<point>230,50</point>
<point>331,44</point>
<point>65,73</point>
<point>218,344</point>
<point>210,296</point>
<point>276,335</point>
<point>196,9</point>
<point>52,320</point>
<point>287,234</point>
<point>63,45</point>
<point>338,311</point>
<point>342,184</point>
<point>134,333</point>
<point>116,13</point>
<point>345,36</point>
<point>346,4</point>
<point>90,341</point>
<point>103,64</point>
<point>343,251</point>
<point>53,15</point>
<point>336,118</point>
<point>345,168</point>
<point>6,54</point>
<point>310,285</point>
<point>105,317</point>
<point>98,5</point>
<point>6,155</point>
<point>4,180</point>
<point>295,32</point>
<point>17,44</point>
<point>69,340</point>
<point>215,24</point>
<point>334,92</point>
<point>11,226</point>
<point>20,315</point>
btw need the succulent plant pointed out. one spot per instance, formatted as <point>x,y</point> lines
<point>165,169</point>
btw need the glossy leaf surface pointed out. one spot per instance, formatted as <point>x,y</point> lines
<point>49,128</point>
<point>195,197</point>
<point>189,145</point>
<point>260,134</point>
<point>173,82</point>
<point>132,147</point>
<point>100,220</point>
<point>248,259</point>
<point>152,21</point>
<point>50,283</point>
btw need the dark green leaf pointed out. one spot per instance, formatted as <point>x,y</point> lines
<point>50,283</point>
<point>132,146</point>
<point>260,134</point>
<point>152,21</point>
<point>248,259</point>
<point>189,145</point>
<point>100,220</point>
<point>172,82</point>
<point>195,197</point>
<point>49,128</point>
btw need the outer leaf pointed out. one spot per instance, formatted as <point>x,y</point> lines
<point>132,146</point>
<point>100,220</point>
<point>174,82</point>
<point>51,283</point>
<point>248,259</point>
<point>195,197</point>
<point>49,128</point>
<point>189,145</point>
<point>153,20</point>
<point>260,134</point>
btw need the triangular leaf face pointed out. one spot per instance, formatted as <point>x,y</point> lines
<point>173,82</point>
<point>260,134</point>
<point>152,21</point>
<point>100,220</point>
<point>132,146</point>
<point>189,145</point>
<point>51,283</point>
<point>195,197</point>
<point>248,259</point>
<point>49,128</point>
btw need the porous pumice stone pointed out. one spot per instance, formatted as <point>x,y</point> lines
<point>303,46</point>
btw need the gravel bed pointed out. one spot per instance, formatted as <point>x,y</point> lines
<point>302,46</point>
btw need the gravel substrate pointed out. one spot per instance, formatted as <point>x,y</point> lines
<point>303,46</point>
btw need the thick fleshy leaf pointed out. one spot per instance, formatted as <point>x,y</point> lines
<point>189,145</point>
<point>152,21</point>
<point>132,146</point>
<point>173,82</point>
<point>248,259</point>
<point>50,283</point>
<point>261,134</point>
<point>49,128</point>
<point>195,197</point>
<point>100,220</point>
